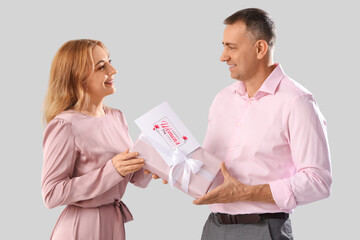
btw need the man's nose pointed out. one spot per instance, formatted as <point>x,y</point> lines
<point>224,57</point>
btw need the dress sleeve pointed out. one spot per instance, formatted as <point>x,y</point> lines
<point>138,178</point>
<point>59,187</point>
<point>310,153</point>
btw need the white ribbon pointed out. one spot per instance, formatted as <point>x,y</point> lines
<point>180,163</point>
<point>185,165</point>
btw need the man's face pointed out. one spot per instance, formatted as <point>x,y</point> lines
<point>239,51</point>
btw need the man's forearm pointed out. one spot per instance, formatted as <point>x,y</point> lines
<point>232,190</point>
<point>258,193</point>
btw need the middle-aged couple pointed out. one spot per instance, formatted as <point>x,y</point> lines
<point>266,128</point>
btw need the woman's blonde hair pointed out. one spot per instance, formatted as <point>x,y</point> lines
<point>71,67</point>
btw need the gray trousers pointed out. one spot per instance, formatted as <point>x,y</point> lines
<point>266,229</point>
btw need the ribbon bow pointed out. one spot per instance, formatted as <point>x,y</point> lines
<point>179,163</point>
<point>185,165</point>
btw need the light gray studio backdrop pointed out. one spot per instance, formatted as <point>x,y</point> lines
<point>169,50</point>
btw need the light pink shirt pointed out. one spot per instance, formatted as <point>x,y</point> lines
<point>277,137</point>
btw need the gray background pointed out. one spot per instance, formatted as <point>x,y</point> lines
<point>169,50</point>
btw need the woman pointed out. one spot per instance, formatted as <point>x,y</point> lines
<point>82,166</point>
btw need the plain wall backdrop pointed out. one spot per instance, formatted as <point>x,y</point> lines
<point>170,50</point>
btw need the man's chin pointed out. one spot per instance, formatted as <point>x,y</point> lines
<point>235,76</point>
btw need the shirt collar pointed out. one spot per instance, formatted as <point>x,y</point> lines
<point>269,86</point>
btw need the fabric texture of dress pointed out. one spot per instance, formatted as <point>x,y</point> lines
<point>78,172</point>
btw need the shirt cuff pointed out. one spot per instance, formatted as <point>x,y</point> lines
<point>283,195</point>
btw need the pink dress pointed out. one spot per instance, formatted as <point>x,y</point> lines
<point>78,172</point>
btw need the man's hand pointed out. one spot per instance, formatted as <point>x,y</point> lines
<point>233,191</point>
<point>154,176</point>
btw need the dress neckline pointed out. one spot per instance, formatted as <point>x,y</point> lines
<point>106,111</point>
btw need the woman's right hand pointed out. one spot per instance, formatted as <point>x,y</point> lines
<point>154,176</point>
<point>126,162</point>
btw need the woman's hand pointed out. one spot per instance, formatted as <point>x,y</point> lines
<point>126,162</point>
<point>154,176</point>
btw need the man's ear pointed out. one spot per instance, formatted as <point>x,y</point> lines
<point>261,48</point>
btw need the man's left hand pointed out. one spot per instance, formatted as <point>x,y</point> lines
<point>233,191</point>
<point>227,192</point>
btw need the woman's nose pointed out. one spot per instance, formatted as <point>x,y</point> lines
<point>112,70</point>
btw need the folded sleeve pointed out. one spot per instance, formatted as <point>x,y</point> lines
<point>140,179</point>
<point>59,187</point>
<point>311,157</point>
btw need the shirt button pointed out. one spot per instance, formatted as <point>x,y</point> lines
<point>239,124</point>
<point>232,148</point>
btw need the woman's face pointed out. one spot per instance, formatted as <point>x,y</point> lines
<point>101,82</point>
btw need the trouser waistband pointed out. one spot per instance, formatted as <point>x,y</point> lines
<point>224,218</point>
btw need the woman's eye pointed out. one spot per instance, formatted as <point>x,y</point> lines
<point>110,61</point>
<point>101,67</point>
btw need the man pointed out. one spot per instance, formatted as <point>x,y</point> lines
<point>271,135</point>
